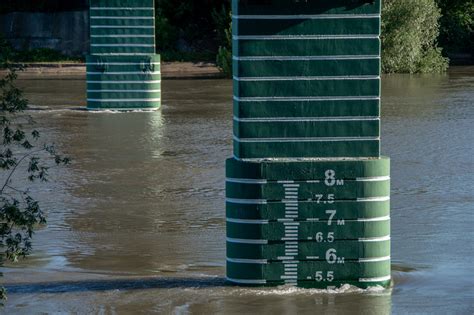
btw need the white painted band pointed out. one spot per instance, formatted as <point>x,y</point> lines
<point>304,37</point>
<point>122,18</point>
<point>294,187</point>
<point>122,54</point>
<point>301,119</point>
<point>308,78</point>
<point>246,281</point>
<point>246,201</point>
<point>245,221</point>
<point>378,219</point>
<point>122,8</point>
<point>375,259</point>
<point>246,241</point>
<point>121,63</point>
<point>124,91</point>
<point>373,179</point>
<point>123,109</point>
<point>293,225</point>
<point>373,199</point>
<point>127,82</point>
<point>124,100</point>
<point>123,36</point>
<point>300,99</point>
<point>265,242</point>
<point>246,180</point>
<point>264,201</point>
<point>374,239</point>
<point>305,58</point>
<point>122,45</point>
<point>247,261</point>
<point>123,26</point>
<point>306,16</point>
<point>307,139</point>
<point>122,73</point>
<point>379,279</point>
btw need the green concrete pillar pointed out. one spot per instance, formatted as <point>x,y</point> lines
<point>123,71</point>
<point>307,192</point>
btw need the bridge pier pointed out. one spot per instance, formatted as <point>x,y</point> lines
<point>123,71</point>
<point>307,192</point>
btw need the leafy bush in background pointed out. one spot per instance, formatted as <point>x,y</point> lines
<point>187,28</point>
<point>409,37</point>
<point>197,30</point>
<point>457,25</point>
<point>223,21</point>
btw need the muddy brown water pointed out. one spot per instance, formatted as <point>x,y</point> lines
<point>136,223</point>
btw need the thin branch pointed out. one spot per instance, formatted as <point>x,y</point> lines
<point>16,166</point>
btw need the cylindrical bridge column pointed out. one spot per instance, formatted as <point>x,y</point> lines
<point>123,71</point>
<point>307,192</point>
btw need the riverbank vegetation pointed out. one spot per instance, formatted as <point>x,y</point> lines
<point>417,36</point>
<point>23,158</point>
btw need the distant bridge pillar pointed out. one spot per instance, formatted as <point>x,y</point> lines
<point>307,192</point>
<point>123,71</point>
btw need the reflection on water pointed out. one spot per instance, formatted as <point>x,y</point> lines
<point>136,224</point>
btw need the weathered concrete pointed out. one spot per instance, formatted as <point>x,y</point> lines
<point>67,32</point>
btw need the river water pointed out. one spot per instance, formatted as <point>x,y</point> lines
<point>136,223</point>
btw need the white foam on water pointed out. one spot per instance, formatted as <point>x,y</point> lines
<point>292,290</point>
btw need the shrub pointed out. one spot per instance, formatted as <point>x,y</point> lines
<point>409,37</point>
<point>223,20</point>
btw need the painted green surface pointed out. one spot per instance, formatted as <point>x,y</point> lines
<point>306,47</point>
<point>306,26</point>
<point>351,190</point>
<point>275,231</point>
<point>136,76</point>
<point>123,105</point>
<point>308,67</point>
<point>122,3</point>
<point>121,95</point>
<point>122,13</point>
<point>308,269</point>
<point>345,209</point>
<point>123,21</point>
<point>283,7</point>
<point>125,41</point>
<point>308,108</point>
<point>350,250</point>
<point>123,82</point>
<point>122,50</point>
<point>307,87</point>
<point>308,170</point>
<point>293,129</point>
<point>306,149</point>
<point>118,29</point>
<point>122,31</point>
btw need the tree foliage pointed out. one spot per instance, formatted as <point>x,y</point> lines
<point>457,25</point>
<point>189,25</point>
<point>409,37</point>
<point>223,21</point>
<point>22,158</point>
